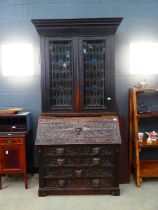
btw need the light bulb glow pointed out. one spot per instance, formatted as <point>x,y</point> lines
<point>17,59</point>
<point>143,58</point>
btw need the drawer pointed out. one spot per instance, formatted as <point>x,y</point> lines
<point>79,172</point>
<point>10,140</point>
<point>13,128</point>
<point>80,183</point>
<point>79,150</point>
<point>79,161</point>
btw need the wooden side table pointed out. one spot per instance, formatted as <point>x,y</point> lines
<point>12,155</point>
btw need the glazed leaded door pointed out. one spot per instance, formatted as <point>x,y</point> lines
<point>96,77</point>
<point>60,76</point>
<point>77,65</point>
<point>78,74</point>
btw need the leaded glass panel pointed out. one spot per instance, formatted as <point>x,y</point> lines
<point>61,74</point>
<point>94,73</point>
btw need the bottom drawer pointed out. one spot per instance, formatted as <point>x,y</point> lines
<point>80,183</point>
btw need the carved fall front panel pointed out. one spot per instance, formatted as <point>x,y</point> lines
<point>74,130</point>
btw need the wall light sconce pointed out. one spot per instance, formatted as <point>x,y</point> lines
<point>143,58</point>
<point>17,59</point>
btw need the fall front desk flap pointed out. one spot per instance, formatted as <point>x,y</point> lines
<point>78,130</point>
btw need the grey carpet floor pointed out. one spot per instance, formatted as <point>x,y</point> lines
<point>13,196</point>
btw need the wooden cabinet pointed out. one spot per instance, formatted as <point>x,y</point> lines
<point>78,89</point>
<point>16,151</point>
<point>78,155</point>
<point>12,155</point>
<point>77,64</point>
<point>143,118</point>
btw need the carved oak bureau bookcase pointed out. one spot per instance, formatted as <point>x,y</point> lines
<point>78,134</point>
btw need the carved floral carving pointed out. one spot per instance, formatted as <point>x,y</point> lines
<point>78,130</point>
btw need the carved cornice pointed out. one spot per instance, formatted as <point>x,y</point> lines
<point>50,27</point>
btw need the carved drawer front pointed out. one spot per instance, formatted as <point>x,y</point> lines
<point>78,150</point>
<point>110,150</point>
<point>79,172</point>
<point>8,140</point>
<point>79,161</point>
<point>82,183</point>
<point>67,151</point>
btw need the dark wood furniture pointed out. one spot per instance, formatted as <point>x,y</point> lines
<point>78,155</point>
<point>78,85</point>
<point>77,62</point>
<point>15,136</point>
<point>146,167</point>
<point>12,155</point>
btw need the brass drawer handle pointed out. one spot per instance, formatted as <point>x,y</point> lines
<point>61,183</point>
<point>10,141</point>
<point>95,182</point>
<point>96,161</point>
<point>60,151</point>
<point>95,150</point>
<point>60,161</point>
<point>78,173</point>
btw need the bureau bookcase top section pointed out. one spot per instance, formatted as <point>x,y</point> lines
<point>77,64</point>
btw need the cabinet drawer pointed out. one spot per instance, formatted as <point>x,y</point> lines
<point>79,172</point>
<point>81,183</point>
<point>79,161</point>
<point>10,140</point>
<point>86,150</point>
<point>13,128</point>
